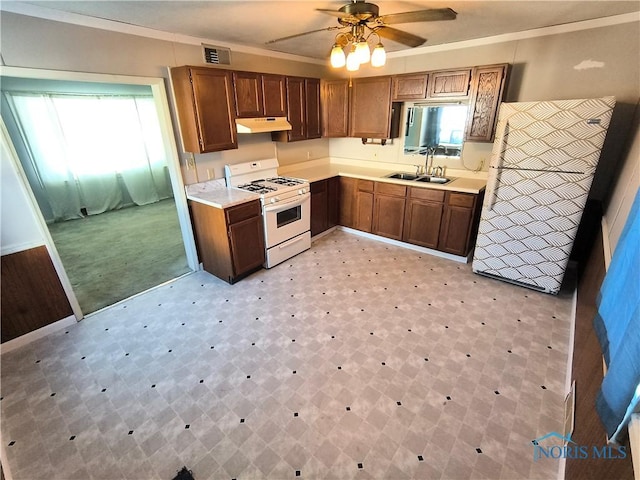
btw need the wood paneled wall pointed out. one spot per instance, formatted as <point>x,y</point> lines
<point>587,373</point>
<point>31,294</point>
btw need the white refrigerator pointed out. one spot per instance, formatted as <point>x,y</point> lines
<point>542,165</point>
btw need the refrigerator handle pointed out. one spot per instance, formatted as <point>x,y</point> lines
<point>494,170</point>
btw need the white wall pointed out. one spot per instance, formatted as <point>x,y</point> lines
<point>19,227</point>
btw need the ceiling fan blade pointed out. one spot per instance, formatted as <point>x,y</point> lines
<point>418,16</point>
<point>302,34</point>
<point>399,36</point>
<point>335,13</point>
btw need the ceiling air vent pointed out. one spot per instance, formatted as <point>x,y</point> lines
<point>216,55</point>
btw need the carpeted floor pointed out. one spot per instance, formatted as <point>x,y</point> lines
<point>114,255</point>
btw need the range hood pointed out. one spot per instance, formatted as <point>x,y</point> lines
<point>264,124</point>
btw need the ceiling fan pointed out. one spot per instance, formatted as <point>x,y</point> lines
<point>362,19</point>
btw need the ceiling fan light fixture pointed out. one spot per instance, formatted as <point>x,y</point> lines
<point>362,51</point>
<point>379,56</point>
<point>353,62</point>
<point>338,59</point>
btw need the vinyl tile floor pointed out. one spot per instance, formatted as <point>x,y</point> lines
<point>355,359</point>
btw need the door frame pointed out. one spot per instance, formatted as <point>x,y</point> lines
<point>160,99</point>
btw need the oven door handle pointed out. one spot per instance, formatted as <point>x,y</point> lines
<point>279,206</point>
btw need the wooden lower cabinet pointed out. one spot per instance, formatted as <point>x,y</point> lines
<point>324,205</point>
<point>423,216</point>
<point>230,241</point>
<point>348,188</point>
<point>388,210</point>
<point>458,223</point>
<point>432,218</point>
<point>364,206</point>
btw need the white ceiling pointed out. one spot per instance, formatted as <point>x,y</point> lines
<point>253,23</point>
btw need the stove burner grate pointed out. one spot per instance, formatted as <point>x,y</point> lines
<point>288,182</point>
<point>256,188</point>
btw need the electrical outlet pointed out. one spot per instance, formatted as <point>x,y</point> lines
<point>308,155</point>
<point>210,174</point>
<point>191,161</point>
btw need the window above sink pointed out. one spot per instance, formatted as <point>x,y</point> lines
<point>435,129</point>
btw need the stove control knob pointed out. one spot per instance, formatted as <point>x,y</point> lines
<point>273,200</point>
<point>302,191</point>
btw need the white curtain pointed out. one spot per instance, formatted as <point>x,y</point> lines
<point>93,151</point>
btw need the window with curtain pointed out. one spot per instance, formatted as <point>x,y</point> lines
<point>93,153</point>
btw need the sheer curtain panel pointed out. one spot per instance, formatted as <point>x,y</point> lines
<point>93,152</point>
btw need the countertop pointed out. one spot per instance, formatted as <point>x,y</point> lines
<point>216,194</point>
<point>326,168</point>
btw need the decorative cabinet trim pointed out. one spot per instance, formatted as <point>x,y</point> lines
<point>450,83</point>
<point>487,89</point>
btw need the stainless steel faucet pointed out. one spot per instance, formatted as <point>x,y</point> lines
<point>428,162</point>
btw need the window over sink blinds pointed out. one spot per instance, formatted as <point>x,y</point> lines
<point>93,152</point>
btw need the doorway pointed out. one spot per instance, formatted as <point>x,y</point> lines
<point>117,227</point>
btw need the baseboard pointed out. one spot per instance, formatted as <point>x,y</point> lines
<point>409,246</point>
<point>27,338</point>
<point>323,234</point>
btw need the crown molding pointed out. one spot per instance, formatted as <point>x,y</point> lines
<point>523,35</point>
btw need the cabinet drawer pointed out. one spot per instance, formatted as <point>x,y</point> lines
<point>427,194</point>
<point>461,200</point>
<point>365,185</point>
<point>242,212</point>
<point>391,189</point>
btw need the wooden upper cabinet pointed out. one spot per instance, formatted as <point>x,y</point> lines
<point>410,87</point>
<point>205,104</point>
<point>274,94</point>
<point>370,115</point>
<point>295,108</point>
<point>248,94</point>
<point>312,108</point>
<point>487,88</point>
<point>259,95</point>
<point>450,83</point>
<point>335,108</point>
<point>303,110</point>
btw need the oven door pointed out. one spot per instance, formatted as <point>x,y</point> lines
<point>287,219</point>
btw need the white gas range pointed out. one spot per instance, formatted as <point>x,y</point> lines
<point>286,206</point>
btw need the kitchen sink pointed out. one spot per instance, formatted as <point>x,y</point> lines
<point>403,176</point>
<point>420,178</point>
<point>440,180</point>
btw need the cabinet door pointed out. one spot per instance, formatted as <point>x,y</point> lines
<point>312,108</point>
<point>319,204</point>
<point>388,216</point>
<point>451,83</point>
<point>333,201</point>
<point>487,88</point>
<point>364,211</point>
<point>248,94</point>
<point>422,222</point>
<point>335,108</point>
<point>348,194</point>
<point>295,108</point>
<point>274,95</point>
<point>457,223</point>
<point>204,100</point>
<point>370,115</point>
<point>410,87</point>
<point>247,245</point>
